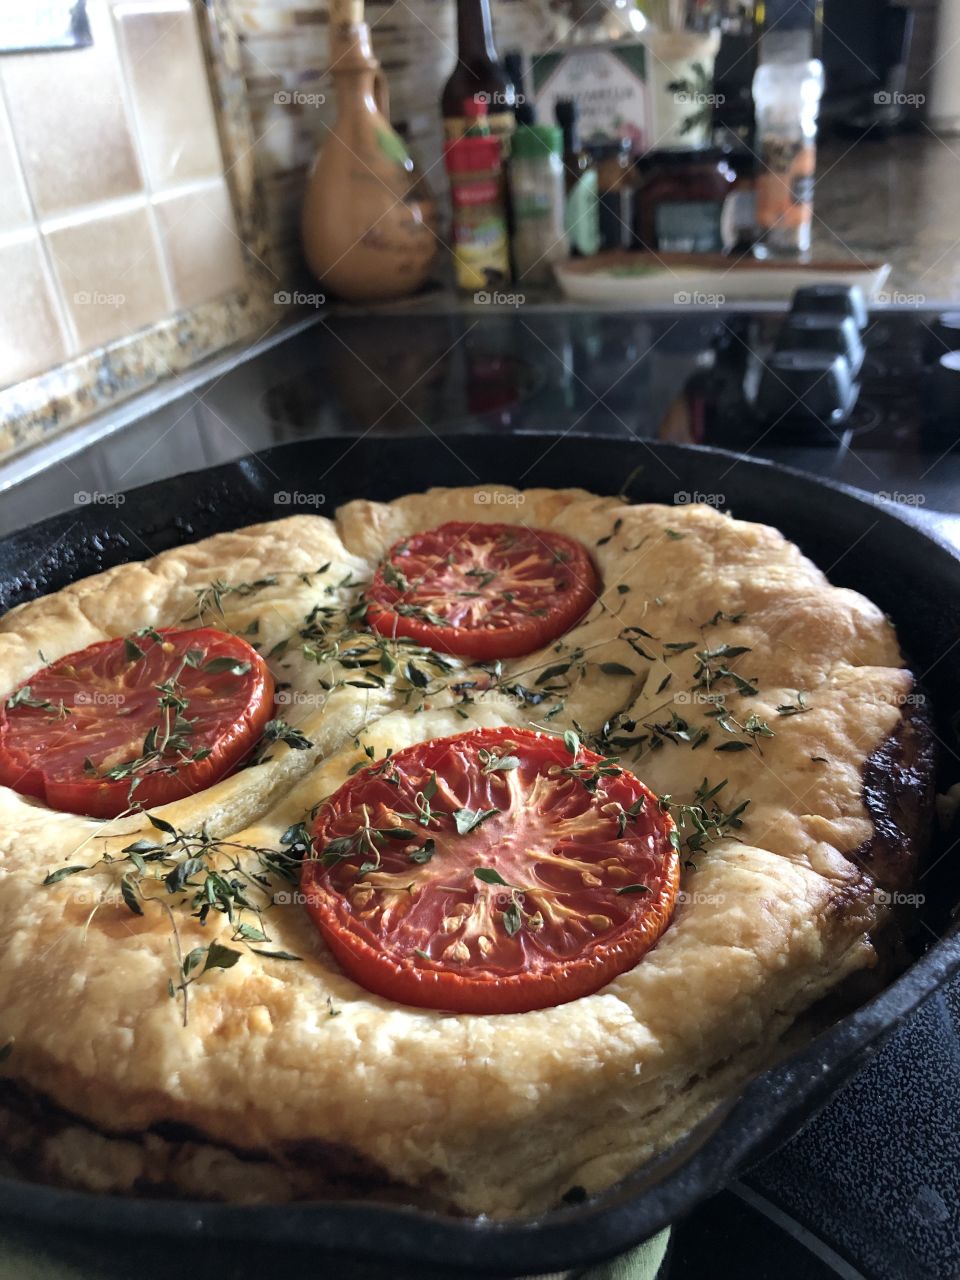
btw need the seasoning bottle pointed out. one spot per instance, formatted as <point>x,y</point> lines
<point>479,231</point>
<point>582,213</point>
<point>786,95</point>
<point>478,75</point>
<point>538,195</point>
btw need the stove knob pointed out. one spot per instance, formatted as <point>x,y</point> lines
<point>943,394</point>
<point>806,386</point>
<point>941,336</point>
<point>814,331</point>
<point>832,300</point>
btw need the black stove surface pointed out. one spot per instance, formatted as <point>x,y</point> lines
<point>678,376</point>
<point>872,1186</point>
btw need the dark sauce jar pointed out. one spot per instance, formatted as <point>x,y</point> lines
<point>682,203</point>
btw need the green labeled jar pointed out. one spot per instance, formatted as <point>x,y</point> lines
<point>537,196</point>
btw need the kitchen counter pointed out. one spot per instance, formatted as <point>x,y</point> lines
<point>893,200</point>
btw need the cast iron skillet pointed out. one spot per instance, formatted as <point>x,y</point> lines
<point>911,575</point>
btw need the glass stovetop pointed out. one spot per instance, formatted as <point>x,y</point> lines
<point>433,377</point>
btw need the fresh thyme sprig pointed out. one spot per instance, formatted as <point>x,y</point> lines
<point>704,821</point>
<point>208,876</point>
<point>24,698</point>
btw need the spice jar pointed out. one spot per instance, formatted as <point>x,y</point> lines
<point>537,196</point>
<point>480,246</point>
<point>682,202</point>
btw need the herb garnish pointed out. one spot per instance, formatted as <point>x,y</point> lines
<point>24,698</point>
<point>225,877</point>
<point>795,708</point>
<point>708,820</point>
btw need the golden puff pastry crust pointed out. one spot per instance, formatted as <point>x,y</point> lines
<point>721,666</point>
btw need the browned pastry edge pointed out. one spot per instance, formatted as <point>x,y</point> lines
<point>32,1128</point>
<point>899,783</point>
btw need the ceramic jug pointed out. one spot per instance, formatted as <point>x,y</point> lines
<point>369,221</point>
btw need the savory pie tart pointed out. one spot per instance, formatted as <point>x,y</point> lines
<point>464,849</point>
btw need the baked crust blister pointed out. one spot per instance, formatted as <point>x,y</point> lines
<point>496,1114</point>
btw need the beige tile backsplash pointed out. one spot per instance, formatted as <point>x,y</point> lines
<point>110,274</point>
<point>203,253</point>
<point>171,100</point>
<point>15,210</point>
<point>31,336</point>
<point>70,123</point>
<point>114,213</point>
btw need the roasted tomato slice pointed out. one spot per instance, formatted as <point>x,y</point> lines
<point>135,722</point>
<point>491,872</point>
<point>482,590</point>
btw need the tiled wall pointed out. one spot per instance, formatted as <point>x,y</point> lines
<point>114,208</point>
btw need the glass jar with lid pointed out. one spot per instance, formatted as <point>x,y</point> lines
<point>683,201</point>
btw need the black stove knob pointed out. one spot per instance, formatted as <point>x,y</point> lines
<point>806,387</point>
<point>832,300</point>
<point>941,335</point>
<point>816,331</point>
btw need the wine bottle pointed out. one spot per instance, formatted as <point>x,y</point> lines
<point>478,75</point>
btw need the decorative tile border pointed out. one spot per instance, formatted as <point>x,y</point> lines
<point>33,411</point>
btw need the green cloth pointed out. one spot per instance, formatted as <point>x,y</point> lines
<point>642,1263</point>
